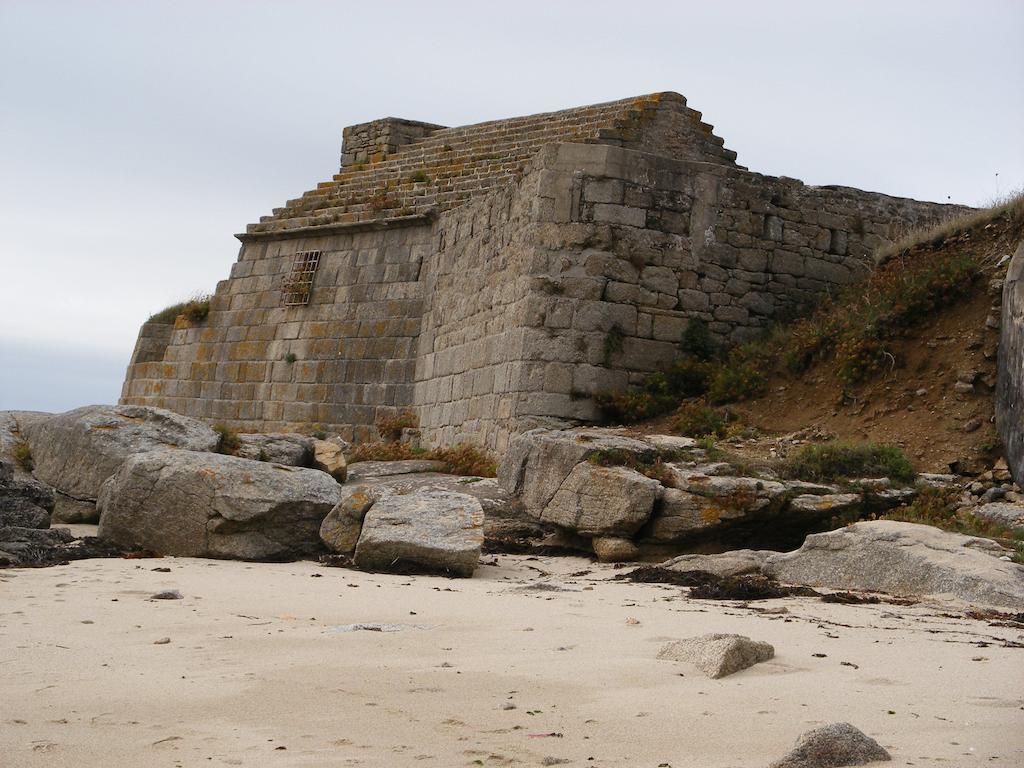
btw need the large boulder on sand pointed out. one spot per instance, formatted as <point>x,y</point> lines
<point>718,655</point>
<point>904,559</point>
<point>833,746</point>
<point>433,531</point>
<point>208,505</point>
<point>76,451</point>
<point>506,525</point>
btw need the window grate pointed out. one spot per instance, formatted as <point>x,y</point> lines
<point>298,285</point>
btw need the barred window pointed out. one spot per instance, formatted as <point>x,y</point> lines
<point>298,284</point>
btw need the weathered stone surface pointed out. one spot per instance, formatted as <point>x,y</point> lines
<point>1010,515</point>
<point>505,522</point>
<point>24,501</point>
<point>436,531</point>
<point>19,512</point>
<point>33,547</point>
<point>613,549</point>
<point>747,493</point>
<point>340,529</point>
<point>1009,396</point>
<point>71,510</point>
<point>904,559</point>
<point>718,655</point>
<point>672,442</point>
<point>833,746</point>
<point>602,501</point>
<point>680,513</point>
<point>19,545</point>
<point>369,470</point>
<point>826,504</point>
<point>539,461</point>
<point>77,450</point>
<point>329,457</point>
<point>208,505</point>
<point>738,562</point>
<point>289,448</point>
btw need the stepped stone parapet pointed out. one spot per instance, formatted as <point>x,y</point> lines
<point>473,274</point>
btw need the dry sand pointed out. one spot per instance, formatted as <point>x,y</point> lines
<point>256,672</point>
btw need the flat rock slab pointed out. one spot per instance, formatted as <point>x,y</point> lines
<point>718,655</point>
<point>739,562</point>
<point>209,505</point>
<point>432,531</point>
<point>370,470</point>
<point>904,559</point>
<point>77,450</point>
<point>833,746</point>
<point>1010,515</point>
<point>288,448</point>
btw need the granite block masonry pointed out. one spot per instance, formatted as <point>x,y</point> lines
<point>473,274</point>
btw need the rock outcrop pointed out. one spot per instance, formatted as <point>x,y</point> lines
<point>1009,397</point>
<point>718,655</point>
<point>595,483</point>
<point>904,559</point>
<point>833,746</point>
<point>194,504</point>
<point>77,450</point>
<point>602,501</point>
<point>329,457</point>
<point>1010,515</point>
<point>433,531</point>
<point>288,448</point>
<point>24,501</point>
<point>506,526</point>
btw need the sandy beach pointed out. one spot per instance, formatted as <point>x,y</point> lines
<point>531,662</point>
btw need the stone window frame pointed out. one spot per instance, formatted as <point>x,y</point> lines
<point>298,284</point>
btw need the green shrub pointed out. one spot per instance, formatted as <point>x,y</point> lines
<point>228,441</point>
<point>613,342</point>
<point>22,455</point>
<point>736,381</point>
<point>632,406</point>
<point>697,341</point>
<point>290,357</point>
<point>834,460</point>
<point>688,377</point>
<point>702,421</point>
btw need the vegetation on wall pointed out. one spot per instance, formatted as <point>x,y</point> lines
<point>853,332</point>
<point>194,310</point>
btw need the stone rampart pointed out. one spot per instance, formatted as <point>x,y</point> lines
<point>494,277</point>
<point>1010,381</point>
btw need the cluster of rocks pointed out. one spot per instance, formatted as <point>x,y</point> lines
<point>625,496</point>
<point>154,481</point>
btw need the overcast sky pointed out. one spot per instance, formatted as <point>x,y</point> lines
<point>137,137</point>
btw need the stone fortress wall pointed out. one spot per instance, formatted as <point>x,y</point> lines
<point>474,274</point>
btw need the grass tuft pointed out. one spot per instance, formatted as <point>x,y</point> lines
<point>22,455</point>
<point>467,460</point>
<point>825,462</point>
<point>228,442</point>
<point>194,310</point>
